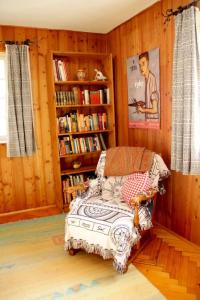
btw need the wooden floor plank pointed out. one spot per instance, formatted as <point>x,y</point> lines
<point>171,263</point>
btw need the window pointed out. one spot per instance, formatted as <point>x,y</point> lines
<point>3,100</point>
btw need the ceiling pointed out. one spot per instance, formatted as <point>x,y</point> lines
<point>100,16</point>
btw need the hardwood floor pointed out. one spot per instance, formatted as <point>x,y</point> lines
<point>172,264</point>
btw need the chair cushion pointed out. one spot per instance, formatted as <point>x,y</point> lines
<point>135,184</point>
<point>112,187</point>
<point>94,188</point>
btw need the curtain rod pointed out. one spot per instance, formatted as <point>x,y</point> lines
<point>25,42</point>
<point>170,12</point>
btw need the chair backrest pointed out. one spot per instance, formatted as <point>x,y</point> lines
<point>157,172</point>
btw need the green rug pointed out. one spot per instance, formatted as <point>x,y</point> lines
<point>34,266</point>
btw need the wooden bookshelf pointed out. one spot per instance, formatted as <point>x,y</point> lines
<point>67,103</point>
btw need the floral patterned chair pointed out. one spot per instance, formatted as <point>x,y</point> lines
<point>101,222</point>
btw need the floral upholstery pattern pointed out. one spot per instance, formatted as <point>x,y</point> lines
<point>112,187</point>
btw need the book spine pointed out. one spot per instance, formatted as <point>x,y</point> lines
<point>101,96</point>
<point>87,96</point>
<point>103,146</point>
<point>108,96</point>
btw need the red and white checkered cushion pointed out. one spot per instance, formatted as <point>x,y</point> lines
<point>135,184</point>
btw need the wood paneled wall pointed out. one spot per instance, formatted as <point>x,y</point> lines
<point>28,182</point>
<point>179,209</point>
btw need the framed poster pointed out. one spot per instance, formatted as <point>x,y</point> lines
<point>144,90</point>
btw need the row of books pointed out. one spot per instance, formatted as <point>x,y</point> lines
<point>69,145</point>
<point>78,122</point>
<point>60,69</point>
<point>78,96</point>
<point>72,180</point>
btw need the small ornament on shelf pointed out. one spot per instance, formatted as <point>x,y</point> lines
<point>62,124</point>
<point>76,164</point>
<point>99,75</point>
<point>81,74</point>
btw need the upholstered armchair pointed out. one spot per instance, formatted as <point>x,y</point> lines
<point>116,208</point>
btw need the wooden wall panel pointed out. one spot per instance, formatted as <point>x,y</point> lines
<point>179,209</point>
<point>28,183</point>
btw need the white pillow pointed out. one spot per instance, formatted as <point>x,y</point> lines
<point>94,188</point>
<point>112,187</point>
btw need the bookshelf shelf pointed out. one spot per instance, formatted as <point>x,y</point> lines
<point>84,132</point>
<point>93,55</point>
<point>82,115</point>
<point>80,154</point>
<point>83,105</point>
<point>77,171</point>
<point>84,82</point>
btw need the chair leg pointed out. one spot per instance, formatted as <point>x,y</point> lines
<point>151,233</point>
<point>135,251</point>
<point>138,245</point>
<point>72,252</point>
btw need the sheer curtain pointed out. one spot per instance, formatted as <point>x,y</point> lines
<point>21,140</point>
<point>186,94</point>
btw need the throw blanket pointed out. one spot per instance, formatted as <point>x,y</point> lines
<point>105,228</point>
<point>121,161</point>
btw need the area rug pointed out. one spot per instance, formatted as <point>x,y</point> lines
<point>34,266</point>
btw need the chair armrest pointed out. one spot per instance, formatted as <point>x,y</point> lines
<point>72,190</point>
<point>136,201</point>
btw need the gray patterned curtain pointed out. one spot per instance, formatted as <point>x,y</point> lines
<point>186,94</point>
<point>21,141</point>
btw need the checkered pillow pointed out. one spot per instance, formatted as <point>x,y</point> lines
<point>135,184</point>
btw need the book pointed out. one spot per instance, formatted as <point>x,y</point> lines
<point>103,146</point>
<point>62,148</point>
<point>104,121</point>
<point>101,96</point>
<point>76,94</point>
<point>107,96</point>
<point>86,97</point>
<point>94,97</point>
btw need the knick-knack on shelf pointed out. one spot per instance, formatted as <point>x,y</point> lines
<point>76,164</point>
<point>99,75</point>
<point>81,74</point>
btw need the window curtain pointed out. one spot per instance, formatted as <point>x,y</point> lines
<point>21,141</point>
<point>186,94</point>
